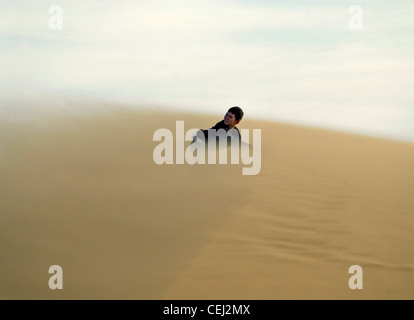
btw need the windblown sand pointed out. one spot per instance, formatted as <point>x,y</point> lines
<point>82,191</point>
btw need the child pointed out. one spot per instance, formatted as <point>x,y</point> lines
<point>231,119</point>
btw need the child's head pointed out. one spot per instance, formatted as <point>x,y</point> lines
<point>233,116</point>
<point>238,112</point>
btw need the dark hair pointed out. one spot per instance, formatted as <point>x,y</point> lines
<point>237,111</point>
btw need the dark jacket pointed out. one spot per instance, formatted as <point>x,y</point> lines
<point>203,133</point>
<point>221,125</point>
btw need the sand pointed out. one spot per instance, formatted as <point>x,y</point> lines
<point>81,190</point>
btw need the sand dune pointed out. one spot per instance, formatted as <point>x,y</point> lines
<point>82,191</point>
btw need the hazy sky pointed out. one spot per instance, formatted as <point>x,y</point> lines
<point>296,61</point>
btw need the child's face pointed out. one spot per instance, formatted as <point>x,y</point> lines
<point>230,120</point>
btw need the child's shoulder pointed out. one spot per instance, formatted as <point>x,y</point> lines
<point>219,125</point>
